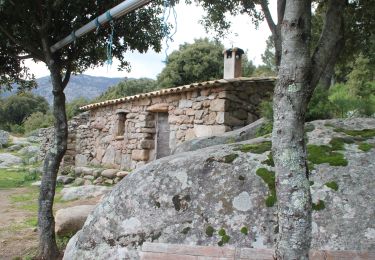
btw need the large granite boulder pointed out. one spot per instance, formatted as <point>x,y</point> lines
<point>223,195</point>
<point>31,150</point>
<point>8,160</point>
<point>70,220</point>
<point>4,138</point>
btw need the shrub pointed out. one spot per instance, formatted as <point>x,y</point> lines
<point>38,120</point>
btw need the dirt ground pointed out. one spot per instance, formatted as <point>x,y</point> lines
<point>19,238</point>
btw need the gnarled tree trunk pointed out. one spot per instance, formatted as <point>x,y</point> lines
<point>47,242</point>
<point>289,151</point>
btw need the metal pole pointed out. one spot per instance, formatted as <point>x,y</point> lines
<point>115,12</point>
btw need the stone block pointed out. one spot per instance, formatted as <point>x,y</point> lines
<point>147,144</point>
<point>190,134</point>
<point>198,114</point>
<point>219,105</point>
<point>190,112</point>
<point>209,130</point>
<point>81,160</point>
<point>197,105</point>
<point>140,155</point>
<point>185,103</point>
<point>161,107</point>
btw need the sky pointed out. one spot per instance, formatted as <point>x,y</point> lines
<point>243,35</point>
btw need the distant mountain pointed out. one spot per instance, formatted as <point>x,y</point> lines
<point>78,86</point>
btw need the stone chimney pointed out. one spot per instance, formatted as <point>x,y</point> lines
<point>232,63</point>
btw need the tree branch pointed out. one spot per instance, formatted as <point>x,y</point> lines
<point>330,41</point>
<point>67,77</point>
<point>280,11</point>
<point>267,15</point>
<point>36,53</point>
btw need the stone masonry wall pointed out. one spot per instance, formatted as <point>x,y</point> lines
<point>96,137</point>
<point>197,113</point>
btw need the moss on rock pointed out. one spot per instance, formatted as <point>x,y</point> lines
<point>332,185</point>
<point>365,147</point>
<point>269,178</point>
<point>255,148</point>
<point>319,154</point>
<point>365,133</point>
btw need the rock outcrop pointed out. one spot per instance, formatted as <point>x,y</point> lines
<point>84,192</point>
<point>224,195</point>
<point>8,160</point>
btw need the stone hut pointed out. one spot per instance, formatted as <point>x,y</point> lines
<point>128,132</point>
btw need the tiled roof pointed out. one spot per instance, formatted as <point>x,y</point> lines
<point>185,88</point>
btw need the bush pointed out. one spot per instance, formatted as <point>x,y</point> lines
<point>320,107</point>
<point>38,120</point>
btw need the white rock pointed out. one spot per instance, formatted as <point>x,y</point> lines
<point>70,220</point>
<point>84,192</point>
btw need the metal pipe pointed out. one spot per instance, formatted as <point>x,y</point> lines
<point>115,12</point>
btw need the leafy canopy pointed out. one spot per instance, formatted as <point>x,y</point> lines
<point>26,24</point>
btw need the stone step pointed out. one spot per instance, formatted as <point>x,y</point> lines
<point>162,251</point>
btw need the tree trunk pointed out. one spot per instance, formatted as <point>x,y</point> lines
<point>290,102</point>
<point>47,242</point>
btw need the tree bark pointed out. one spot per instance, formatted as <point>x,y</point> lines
<point>47,242</point>
<point>289,151</point>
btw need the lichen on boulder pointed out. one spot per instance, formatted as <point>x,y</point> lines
<point>188,198</point>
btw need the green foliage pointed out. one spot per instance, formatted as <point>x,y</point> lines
<point>38,120</point>
<point>264,71</point>
<point>244,231</point>
<point>222,232</point>
<point>332,185</point>
<point>365,147</point>
<point>15,109</point>
<point>266,110</point>
<point>210,231</point>
<point>319,107</point>
<point>258,148</point>
<point>268,57</point>
<point>72,108</point>
<point>186,230</point>
<point>139,30</point>
<point>319,154</point>
<point>196,62</point>
<point>269,178</point>
<point>128,88</point>
<point>320,205</point>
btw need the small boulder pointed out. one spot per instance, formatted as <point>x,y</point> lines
<point>70,220</point>
<point>36,184</point>
<point>83,192</point>
<point>7,160</point>
<point>79,181</point>
<point>15,147</point>
<point>110,173</point>
<point>64,179</point>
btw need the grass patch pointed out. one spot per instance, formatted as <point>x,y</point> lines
<point>319,154</point>
<point>255,148</point>
<point>10,178</point>
<point>365,133</point>
<point>269,178</point>
<point>365,147</point>
<point>31,222</point>
<point>332,185</point>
